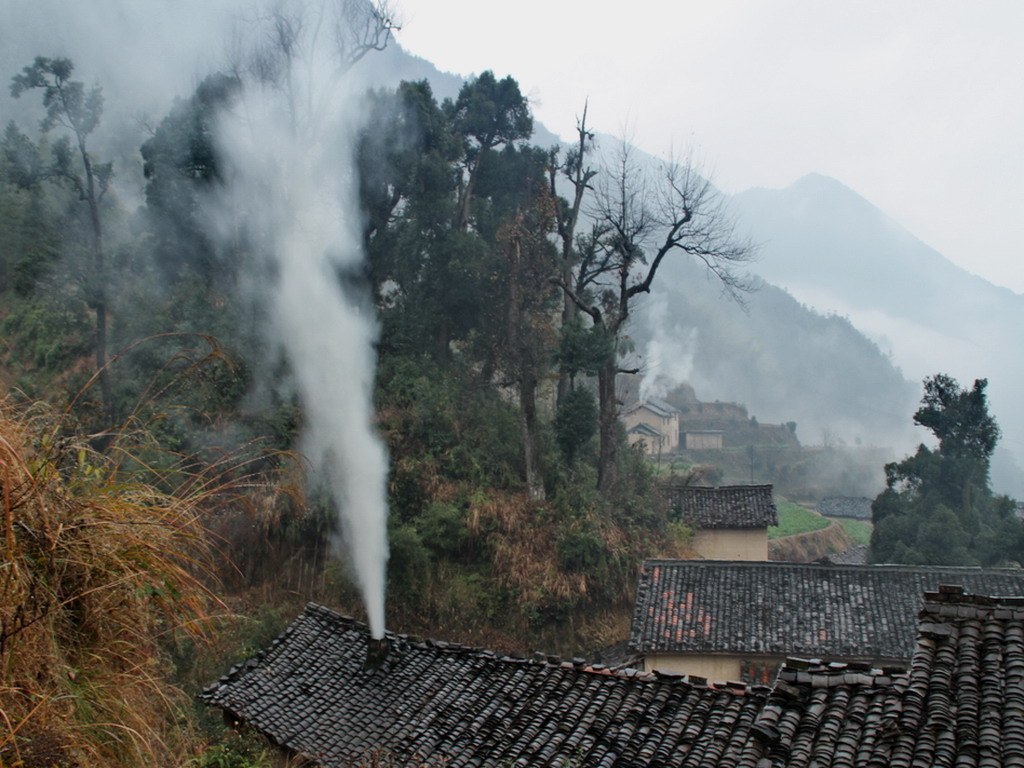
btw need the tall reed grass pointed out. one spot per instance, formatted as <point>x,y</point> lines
<point>104,554</point>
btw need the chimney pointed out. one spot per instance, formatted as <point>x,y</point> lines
<point>376,653</point>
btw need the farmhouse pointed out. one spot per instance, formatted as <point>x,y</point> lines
<point>730,522</point>
<point>646,438</point>
<point>656,415</point>
<point>433,704</point>
<point>741,620</point>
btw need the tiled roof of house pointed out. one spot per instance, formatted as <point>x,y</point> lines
<point>793,609</point>
<point>960,705</point>
<point>311,694</point>
<point>642,428</point>
<point>857,507</point>
<point>656,406</point>
<point>853,556</point>
<point>661,407</point>
<point>728,506</point>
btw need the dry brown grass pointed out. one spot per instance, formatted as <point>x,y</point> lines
<point>525,548</point>
<point>811,545</point>
<point>97,566</point>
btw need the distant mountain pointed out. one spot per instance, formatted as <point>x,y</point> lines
<point>835,251</point>
<point>783,360</point>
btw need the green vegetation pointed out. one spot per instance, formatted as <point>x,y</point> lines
<point>858,530</point>
<point>170,462</point>
<point>794,519</point>
<point>937,507</point>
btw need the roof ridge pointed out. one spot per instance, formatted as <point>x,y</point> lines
<point>787,564</point>
<point>536,657</point>
<point>952,601</point>
<point>820,673</point>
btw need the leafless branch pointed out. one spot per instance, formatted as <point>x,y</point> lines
<point>363,26</point>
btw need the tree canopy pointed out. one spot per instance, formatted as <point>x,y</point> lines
<point>937,507</point>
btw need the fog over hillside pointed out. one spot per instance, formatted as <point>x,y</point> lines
<point>825,245</point>
<point>783,360</point>
<point>836,252</point>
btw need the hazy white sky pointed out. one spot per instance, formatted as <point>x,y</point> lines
<point>916,104</point>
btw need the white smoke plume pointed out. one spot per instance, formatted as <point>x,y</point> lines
<point>290,148</point>
<point>290,198</point>
<point>667,358</point>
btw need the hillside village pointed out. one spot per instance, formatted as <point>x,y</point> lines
<point>318,695</point>
<point>329,442</point>
<point>659,429</point>
<point>731,660</point>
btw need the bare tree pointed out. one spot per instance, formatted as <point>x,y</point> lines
<point>575,169</point>
<point>347,29</point>
<point>638,222</point>
<point>362,27</point>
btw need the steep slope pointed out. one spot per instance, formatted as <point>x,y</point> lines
<point>834,250</point>
<point>783,360</point>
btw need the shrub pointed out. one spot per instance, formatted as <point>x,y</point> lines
<point>443,529</point>
<point>98,565</point>
<point>408,563</point>
<point>581,549</point>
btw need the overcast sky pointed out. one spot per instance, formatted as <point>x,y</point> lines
<point>916,104</point>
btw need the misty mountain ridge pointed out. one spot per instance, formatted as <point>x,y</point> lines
<point>822,243</point>
<point>856,243</point>
<point>783,360</point>
<point>822,342</point>
<point>835,251</point>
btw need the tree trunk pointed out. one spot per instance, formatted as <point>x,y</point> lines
<point>607,423</point>
<point>99,292</point>
<point>569,314</point>
<point>467,193</point>
<point>523,363</point>
<point>531,439</point>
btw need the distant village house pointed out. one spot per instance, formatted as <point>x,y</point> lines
<point>730,522</point>
<point>704,439</point>
<point>655,424</point>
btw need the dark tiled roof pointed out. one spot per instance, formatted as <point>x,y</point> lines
<point>729,506</point>
<point>439,702</point>
<point>961,704</point>
<point>793,609</point>
<point>660,407</point>
<point>858,507</point>
<point>853,556</point>
<point>656,406</point>
<point>644,429</point>
<point>827,715</point>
